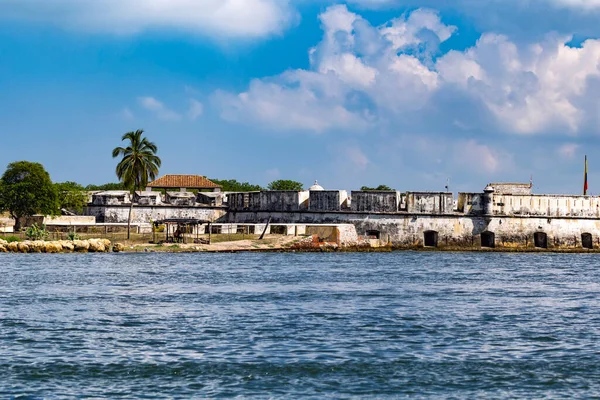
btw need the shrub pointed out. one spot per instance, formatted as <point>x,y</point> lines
<point>12,238</point>
<point>37,233</point>
<point>73,236</point>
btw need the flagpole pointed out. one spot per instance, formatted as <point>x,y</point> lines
<point>585,177</point>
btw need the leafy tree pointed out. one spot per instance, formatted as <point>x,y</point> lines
<point>380,187</point>
<point>231,185</point>
<point>138,165</point>
<point>26,189</point>
<point>71,196</point>
<point>285,184</point>
<point>107,186</point>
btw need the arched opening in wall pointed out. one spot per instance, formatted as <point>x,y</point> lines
<point>488,239</point>
<point>540,239</point>
<point>431,239</point>
<point>373,234</point>
<point>587,241</point>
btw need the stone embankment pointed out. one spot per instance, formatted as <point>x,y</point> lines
<point>60,246</point>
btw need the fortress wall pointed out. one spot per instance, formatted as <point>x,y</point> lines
<point>434,203</point>
<point>145,214</point>
<point>547,205</point>
<point>327,200</point>
<point>452,230</point>
<point>376,201</point>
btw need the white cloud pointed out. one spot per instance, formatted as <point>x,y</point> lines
<point>297,100</point>
<point>159,109</point>
<point>356,156</point>
<point>568,150</point>
<point>196,109</point>
<point>242,18</point>
<point>477,156</point>
<point>127,114</point>
<point>583,4</point>
<point>362,76</point>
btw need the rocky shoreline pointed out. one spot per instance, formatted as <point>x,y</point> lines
<point>61,246</point>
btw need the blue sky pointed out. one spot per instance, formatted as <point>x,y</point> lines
<point>352,93</point>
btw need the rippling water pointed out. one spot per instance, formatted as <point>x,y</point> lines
<point>421,325</point>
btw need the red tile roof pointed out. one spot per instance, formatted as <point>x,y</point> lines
<point>183,181</point>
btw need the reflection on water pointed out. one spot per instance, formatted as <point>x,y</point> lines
<point>289,325</point>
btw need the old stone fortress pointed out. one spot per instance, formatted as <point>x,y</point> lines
<point>502,215</point>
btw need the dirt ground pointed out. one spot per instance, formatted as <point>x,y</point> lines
<point>269,243</point>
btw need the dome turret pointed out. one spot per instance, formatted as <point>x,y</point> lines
<point>316,187</point>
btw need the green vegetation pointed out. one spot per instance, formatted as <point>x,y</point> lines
<point>285,184</point>
<point>380,187</point>
<point>107,186</point>
<point>12,238</point>
<point>26,189</point>
<point>71,196</point>
<point>138,166</point>
<point>34,232</point>
<point>73,236</point>
<point>231,185</point>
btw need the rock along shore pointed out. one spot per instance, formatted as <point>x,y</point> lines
<point>60,246</point>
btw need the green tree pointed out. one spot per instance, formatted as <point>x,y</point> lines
<point>285,184</point>
<point>26,189</point>
<point>380,187</point>
<point>107,186</point>
<point>138,165</point>
<point>71,196</point>
<point>231,185</point>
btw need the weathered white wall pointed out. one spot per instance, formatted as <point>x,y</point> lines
<point>146,214</point>
<point>453,230</point>
<point>547,205</point>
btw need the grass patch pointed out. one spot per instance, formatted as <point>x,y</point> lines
<point>11,238</point>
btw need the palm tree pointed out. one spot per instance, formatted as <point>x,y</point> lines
<point>139,164</point>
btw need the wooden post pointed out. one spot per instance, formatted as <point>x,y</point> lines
<point>265,230</point>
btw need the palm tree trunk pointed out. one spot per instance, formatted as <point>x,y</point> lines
<point>129,220</point>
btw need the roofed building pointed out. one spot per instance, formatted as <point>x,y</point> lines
<point>184,182</point>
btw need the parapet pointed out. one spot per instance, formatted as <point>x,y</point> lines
<point>375,201</point>
<point>429,202</point>
<point>111,198</point>
<point>511,188</point>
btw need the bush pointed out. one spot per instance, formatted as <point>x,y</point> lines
<point>12,238</point>
<point>73,236</point>
<point>36,233</point>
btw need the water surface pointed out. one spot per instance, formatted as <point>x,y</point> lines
<point>419,325</point>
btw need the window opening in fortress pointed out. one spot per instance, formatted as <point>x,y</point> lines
<point>373,234</point>
<point>587,241</point>
<point>488,239</point>
<point>540,240</point>
<point>431,239</point>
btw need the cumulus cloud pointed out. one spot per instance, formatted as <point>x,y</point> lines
<point>243,18</point>
<point>568,150</point>
<point>362,76</point>
<point>159,109</point>
<point>196,109</point>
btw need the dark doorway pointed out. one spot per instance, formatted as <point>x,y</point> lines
<point>373,235</point>
<point>541,240</point>
<point>278,230</point>
<point>431,239</point>
<point>586,241</point>
<point>488,239</point>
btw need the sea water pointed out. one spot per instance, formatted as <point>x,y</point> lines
<point>418,325</point>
